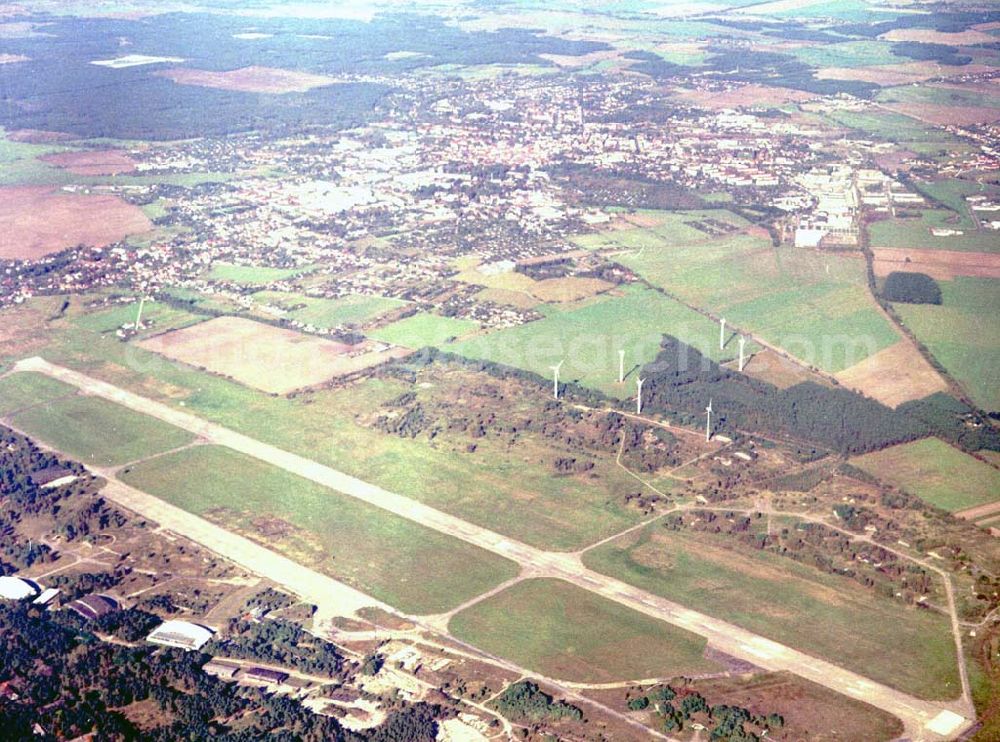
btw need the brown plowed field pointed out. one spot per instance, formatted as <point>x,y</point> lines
<point>262,356</point>
<point>894,375</point>
<point>39,221</point>
<point>748,95</point>
<point>90,162</point>
<point>249,79</point>
<point>940,264</point>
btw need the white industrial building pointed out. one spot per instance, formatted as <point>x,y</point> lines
<point>181,634</point>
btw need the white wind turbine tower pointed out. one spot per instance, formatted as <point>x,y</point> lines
<point>555,379</point>
<point>722,333</point>
<point>621,367</point>
<point>138,315</point>
<point>743,342</point>
<point>708,422</point>
<point>638,395</point>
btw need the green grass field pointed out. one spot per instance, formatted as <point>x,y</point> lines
<point>927,95</point>
<point>916,233</point>
<point>160,316</point>
<point>935,472</point>
<point>673,228</point>
<point>422,330</point>
<point>824,615</point>
<point>327,313</point>
<point>515,492</point>
<point>588,336</point>
<point>565,632</point>
<point>29,388</point>
<point>848,54</point>
<point>99,432</point>
<point>252,274</point>
<point>951,193</point>
<point>404,564</point>
<point>959,335</point>
<point>895,127</point>
<point>816,306</point>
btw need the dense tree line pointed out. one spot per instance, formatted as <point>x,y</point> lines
<point>682,380</point>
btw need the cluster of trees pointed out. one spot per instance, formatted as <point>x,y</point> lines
<point>730,723</point>
<point>911,288</point>
<point>525,701</point>
<point>74,507</point>
<point>282,643</point>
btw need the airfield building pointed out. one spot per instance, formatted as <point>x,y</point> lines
<point>181,634</point>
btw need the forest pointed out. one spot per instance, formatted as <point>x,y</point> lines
<point>70,683</point>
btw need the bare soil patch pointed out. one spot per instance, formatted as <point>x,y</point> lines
<point>39,221</point>
<point>92,162</point>
<point>774,369</point>
<point>569,289</point>
<point>748,95</point>
<point>894,375</point>
<point>927,36</point>
<point>946,115</point>
<point>249,79</point>
<point>943,265</point>
<point>979,512</point>
<point>262,356</point>
<point>897,74</point>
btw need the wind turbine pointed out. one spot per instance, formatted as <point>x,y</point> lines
<point>722,333</point>
<point>708,422</point>
<point>555,379</point>
<point>138,315</point>
<point>638,395</point>
<point>621,367</point>
<point>743,342</point>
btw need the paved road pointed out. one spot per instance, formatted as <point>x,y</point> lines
<point>915,713</point>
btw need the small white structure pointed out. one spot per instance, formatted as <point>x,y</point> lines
<point>46,597</point>
<point>17,588</point>
<point>181,634</point>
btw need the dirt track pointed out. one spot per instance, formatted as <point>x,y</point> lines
<point>915,713</point>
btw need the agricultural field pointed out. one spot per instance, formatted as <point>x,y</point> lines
<point>39,221</point>
<point>848,54</point>
<point>265,357</point>
<point>98,432</point>
<point>328,313</point>
<point>895,375</point>
<point>252,274</point>
<point>565,632</point>
<point>937,473</point>
<point>660,229</point>
<point>959,338</point>
<point>346,538</point>
<point>895,127</point>
<point>587,338</point>
<point>789,602</point>
<point>249,79</point>
<point>916,233</point>
<point>815,306</point>
<point>422,330</point>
